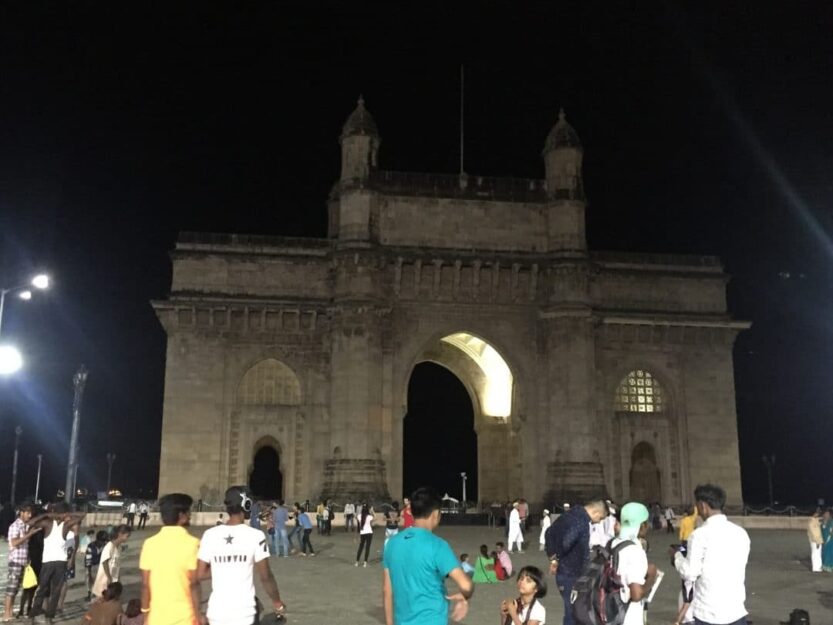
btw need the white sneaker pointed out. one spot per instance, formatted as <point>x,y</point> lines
<point>356,564</point>
<point>364,565</point>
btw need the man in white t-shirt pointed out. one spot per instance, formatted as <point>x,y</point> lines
<point>636,575</point>
<point>131,514</point>
<point>349,516</point>
<point>229,554</point>
<point>110,562</point>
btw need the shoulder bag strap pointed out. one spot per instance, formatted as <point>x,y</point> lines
<point>529,612</point>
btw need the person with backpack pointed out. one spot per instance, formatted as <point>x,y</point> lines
<point>567,543</point>
<point>636,575</point>
<point>526,609</point>
<point>617,576</point>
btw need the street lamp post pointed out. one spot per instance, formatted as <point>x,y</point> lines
<point>10,358</point>
<point>40,281</point>
<point>111,458</point>
<point>463,475</point>
<point>769,463</point>
<point>79,381</point>
<point>37,479</point>
<point>17,432</point>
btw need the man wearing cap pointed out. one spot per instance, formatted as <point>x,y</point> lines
<point>567,544</point>
<point>636,574</point>
<point>230,554</point>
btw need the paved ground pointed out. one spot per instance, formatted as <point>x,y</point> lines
<point>328,589</point>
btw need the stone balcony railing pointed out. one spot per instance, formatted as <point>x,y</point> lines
<point>704,263</point>
<point>456,186</point>
<point>208,241</point>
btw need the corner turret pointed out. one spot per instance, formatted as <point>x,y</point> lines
<point>359,145</point>
<point>563,156</point>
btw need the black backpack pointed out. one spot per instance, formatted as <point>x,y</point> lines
<point>595,598</point>
<point>798,617</point>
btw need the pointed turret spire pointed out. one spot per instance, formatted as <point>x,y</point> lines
<point>562,135</point>
<point>360,122</point>
<point>563,156</point>
<point>359,144</point>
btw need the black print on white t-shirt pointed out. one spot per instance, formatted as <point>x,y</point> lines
<point>235,558</point>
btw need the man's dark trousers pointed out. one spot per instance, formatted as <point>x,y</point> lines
<point>565,587</point>
<point>741,621</point>
<point>49,584</point>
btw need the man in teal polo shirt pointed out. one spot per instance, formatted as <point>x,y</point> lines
<point>416,565</point>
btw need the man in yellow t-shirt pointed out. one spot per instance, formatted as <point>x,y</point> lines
<point>170,587</point>
<point>687,525</point>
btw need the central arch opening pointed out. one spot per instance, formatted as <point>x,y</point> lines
<point>266,479</point>
<point>439,437</point>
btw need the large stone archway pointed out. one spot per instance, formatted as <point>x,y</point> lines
<point>439,423</point>
<point>490,383</point>
<point>409,261</point>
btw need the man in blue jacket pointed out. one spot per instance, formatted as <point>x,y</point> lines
<point>568,547</point>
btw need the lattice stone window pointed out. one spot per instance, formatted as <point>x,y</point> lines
<point>639,391</point>
<point>269,383</point>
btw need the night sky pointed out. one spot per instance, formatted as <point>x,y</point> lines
<point>707,130</point>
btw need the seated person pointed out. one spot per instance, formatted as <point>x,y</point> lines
<point>505,560</point>
<point>484,568</point>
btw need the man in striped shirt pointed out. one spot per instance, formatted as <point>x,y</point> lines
<point>18,538</point>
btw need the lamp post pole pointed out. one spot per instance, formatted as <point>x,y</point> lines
<point>37,480</point>
<point>111,458</point>
<point>41,281</point>
<point>463,475</point>
<point>769,463</point>
<point>79,381</point>
<point>17,432</point>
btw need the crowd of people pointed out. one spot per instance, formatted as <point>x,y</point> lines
<point>44,546</point>
<point>597,553</point>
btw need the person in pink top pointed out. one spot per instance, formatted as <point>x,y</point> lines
<point>407,515</point>
<point>505,560</point>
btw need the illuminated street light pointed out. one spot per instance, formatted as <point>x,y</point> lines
<point>40,281</point>
<point>10,360</point>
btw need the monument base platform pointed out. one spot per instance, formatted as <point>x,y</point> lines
<point>356,480</point>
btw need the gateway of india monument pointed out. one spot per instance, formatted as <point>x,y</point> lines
<point>589,372</point>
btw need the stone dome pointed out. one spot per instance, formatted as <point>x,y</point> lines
<point>562,135</point>
<point>360,122</point>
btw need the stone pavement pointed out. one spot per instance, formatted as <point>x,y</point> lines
<point>328,589</point>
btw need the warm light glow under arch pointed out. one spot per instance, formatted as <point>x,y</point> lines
<point>496,397</point>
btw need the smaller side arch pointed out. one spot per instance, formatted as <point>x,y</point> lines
<point>265,476</point>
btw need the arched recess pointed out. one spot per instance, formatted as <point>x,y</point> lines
<point>490,383</point>
<point>645,478</point>
<point>265,475</point>
<point>646,453</point>
<point>269,382</point>
<point>266,411</point>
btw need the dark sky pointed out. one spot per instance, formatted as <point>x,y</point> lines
<point>706,130</point>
